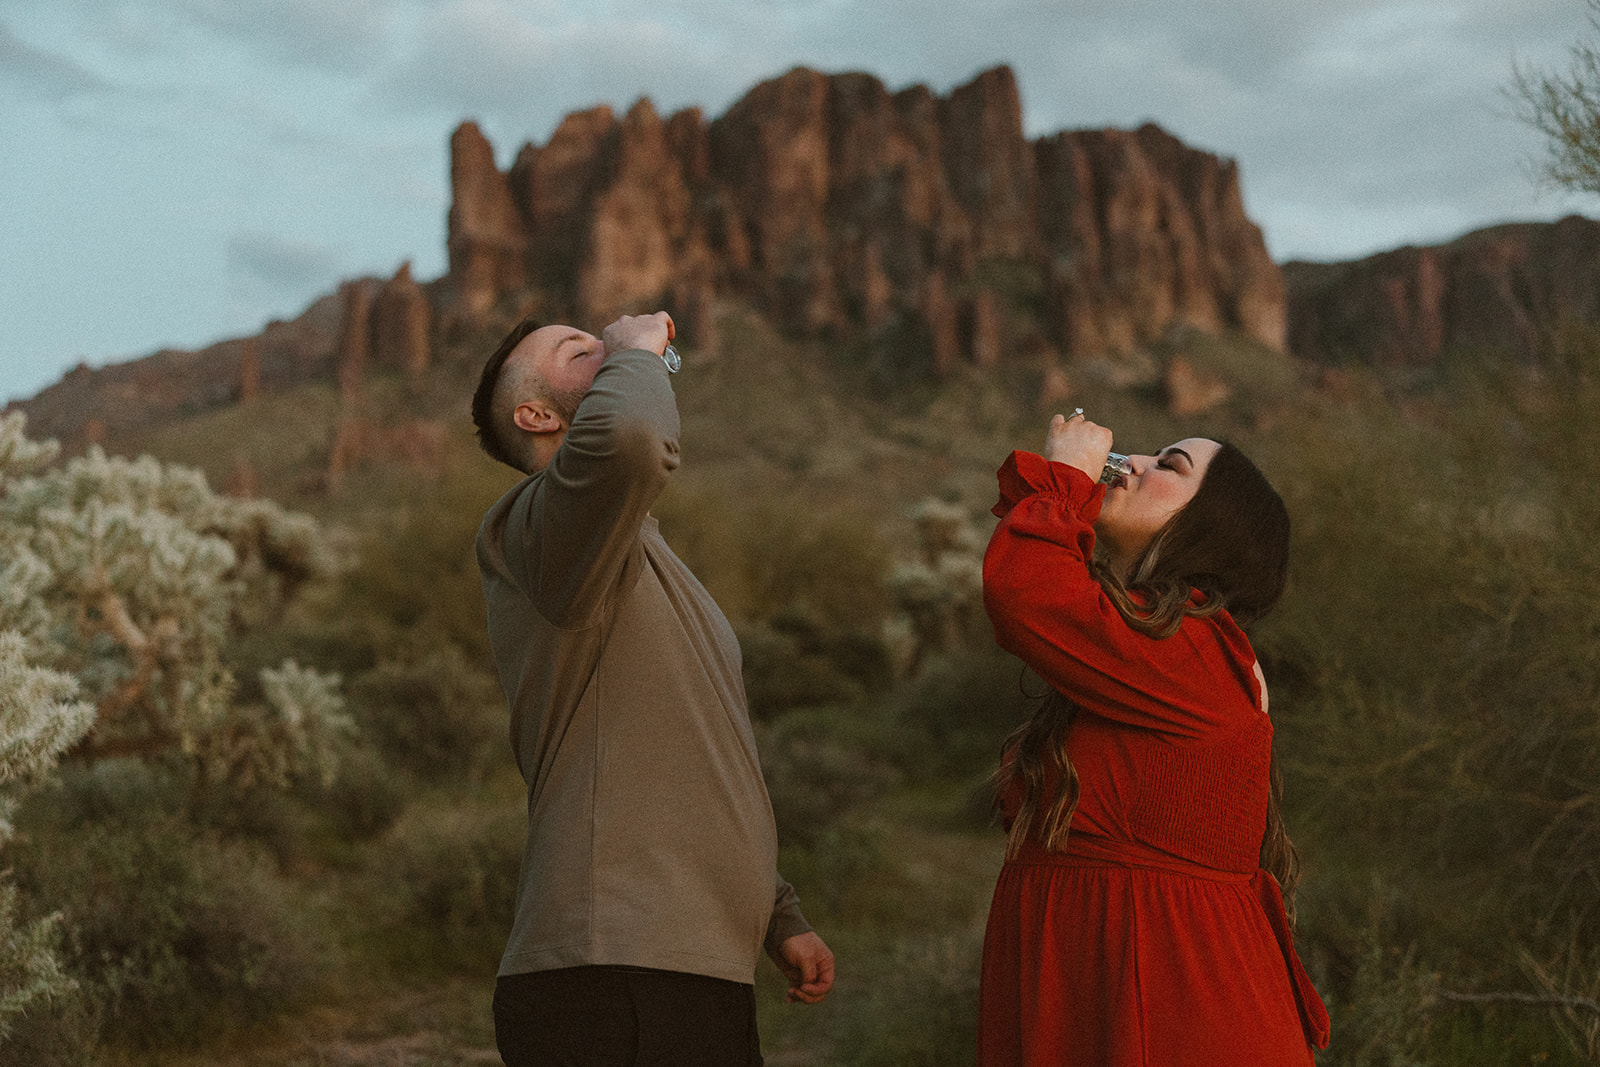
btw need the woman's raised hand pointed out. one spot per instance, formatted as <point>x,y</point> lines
<point>1077,442</point>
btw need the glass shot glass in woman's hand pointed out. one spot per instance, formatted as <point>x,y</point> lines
<point>1117,466</point>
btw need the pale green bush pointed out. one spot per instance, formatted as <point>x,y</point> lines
<point>134,577</point>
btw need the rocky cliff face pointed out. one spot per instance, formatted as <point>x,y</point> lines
<point>1505,289</point>
<point>368,322</point>
<point>836,206</point>
<point>828,203</point>
<point>99,405</point>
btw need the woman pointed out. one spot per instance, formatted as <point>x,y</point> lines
<point>1132,923</point>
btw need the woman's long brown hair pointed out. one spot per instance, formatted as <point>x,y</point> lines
<point>1231,543</point>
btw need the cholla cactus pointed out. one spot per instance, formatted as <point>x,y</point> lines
<point>134,577</point>
<point>940,591</point>
<point>263,744</point>
<point>38,721</point>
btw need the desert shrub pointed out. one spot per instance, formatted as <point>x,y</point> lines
<point>448,886</point>
<point>847,874</point>
<point>363,802</point>
<point>171,936</point>
<point>913,1002</point>
<point>958,709</point>
<point>38,721</point>
<point>435,715</point>
<point>136,579</point>
<point>314,824</point>
<point>779,673</point>
<point>937,585</point>
<point>765,555</point>
<point>414,585</point>
<point>821,764</point>
<point>797,659</point>
<point>1434,684</point>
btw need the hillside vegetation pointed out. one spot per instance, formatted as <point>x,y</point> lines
<point>1434,687</point>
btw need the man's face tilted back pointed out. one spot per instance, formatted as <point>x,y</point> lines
<point>566,358</point>
<point>548,374</point>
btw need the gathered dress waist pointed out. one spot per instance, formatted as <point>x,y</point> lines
<point>1087,850</point>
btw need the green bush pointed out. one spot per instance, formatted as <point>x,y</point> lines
<point>819,766</point>
<point>766,555</point>
<point>445,882</point>
<point>847,874</point>
<point>1434,678</point>
<point>912,1003</point>
<point>415,584</point>
<point>436,716</point>
<point>173,936</point>
<point>960,707</point>
<point>363,802</point>
<point>784,671</point>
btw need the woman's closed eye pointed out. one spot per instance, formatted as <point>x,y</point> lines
<point>1175,460</point>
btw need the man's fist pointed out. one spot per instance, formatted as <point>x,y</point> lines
<point>649,332</point>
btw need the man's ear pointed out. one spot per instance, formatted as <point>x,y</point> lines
<point>537,416</point>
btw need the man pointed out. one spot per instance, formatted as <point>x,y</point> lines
<point>649,880</point>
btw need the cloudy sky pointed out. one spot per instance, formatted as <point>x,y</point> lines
<point>173,172</point>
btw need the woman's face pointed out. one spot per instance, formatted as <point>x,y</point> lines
<point>1137,505</point>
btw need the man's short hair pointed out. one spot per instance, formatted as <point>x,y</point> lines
<point>490,437</point>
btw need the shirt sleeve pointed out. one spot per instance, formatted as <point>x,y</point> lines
<point>569,533</point>
<point>1048,610</point>
<point>786,921</point>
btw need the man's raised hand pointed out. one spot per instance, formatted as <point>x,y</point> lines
<point>650,332</point>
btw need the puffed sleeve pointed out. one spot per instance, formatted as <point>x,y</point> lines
<point>1048,610</point>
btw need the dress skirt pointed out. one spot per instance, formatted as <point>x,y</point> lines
<point>1089,962</point>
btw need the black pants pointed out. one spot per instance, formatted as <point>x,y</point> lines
<point>624,1017</point>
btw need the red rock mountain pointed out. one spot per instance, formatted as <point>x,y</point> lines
<point>1502,290</point>
<point>929,226</point>
<point>836,206</point>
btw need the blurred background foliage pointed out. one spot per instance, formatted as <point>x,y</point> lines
<point>1435,687</point>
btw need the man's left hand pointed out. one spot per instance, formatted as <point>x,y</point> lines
<point>808,964</point>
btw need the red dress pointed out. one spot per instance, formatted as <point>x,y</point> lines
<point>1153,938</point>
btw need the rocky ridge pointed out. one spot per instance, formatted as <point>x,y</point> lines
<point>926,231</point>
<point>1502,290</point>
<point>837,207</point>
<point>929,227</point>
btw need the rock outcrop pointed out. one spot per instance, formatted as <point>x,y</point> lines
<point>486,245</point>
<point>401,325</point>
<point>828,203</point>
<point>355,339</point>
<point>107,405</point>
<point>1506,289</point>
<point>836,207</point>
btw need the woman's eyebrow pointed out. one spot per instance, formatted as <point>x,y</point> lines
<point>1175,451</point>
